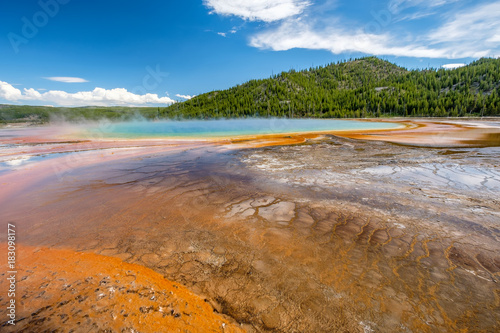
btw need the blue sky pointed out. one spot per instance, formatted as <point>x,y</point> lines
<point>154,52</point>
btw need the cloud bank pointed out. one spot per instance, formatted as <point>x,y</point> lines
<point>258,10</point>
<point>98,96</point>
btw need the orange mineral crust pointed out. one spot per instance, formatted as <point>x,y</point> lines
<point>435,133</point>
<point>63,291</point>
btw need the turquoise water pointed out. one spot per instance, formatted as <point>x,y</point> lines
<point>231,127</point>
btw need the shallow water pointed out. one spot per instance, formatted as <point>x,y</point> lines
<point>233,127</point>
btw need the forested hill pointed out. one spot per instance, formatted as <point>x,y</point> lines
<point>367,87</point>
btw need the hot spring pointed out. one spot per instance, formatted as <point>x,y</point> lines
<point>230,128</point>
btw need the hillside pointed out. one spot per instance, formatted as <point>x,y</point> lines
<point>367,87</point>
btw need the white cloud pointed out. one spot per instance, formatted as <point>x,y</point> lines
<point>185,96</point>
<point>223,34</point>
<point>8,92</point>
<point>494,39</point>
<point>66,79</point>
<point>298,34</point>
<point>397,6</point>
<point>471,31</point>
<point>258,10</point>
<point>98,96</point>
<point>453,66</point>
<point>415,16</point>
